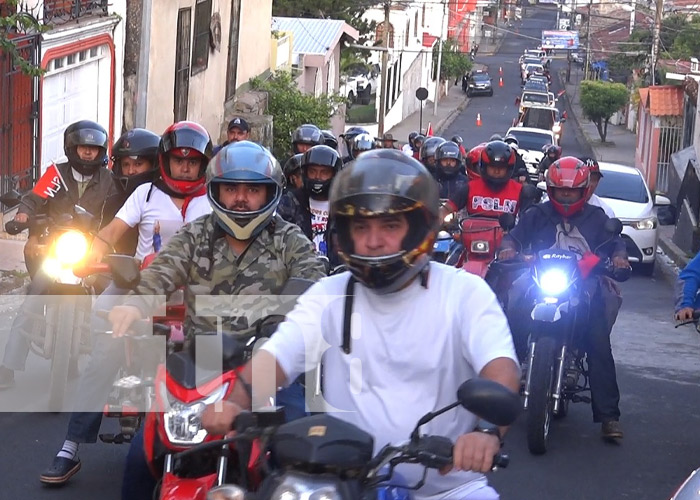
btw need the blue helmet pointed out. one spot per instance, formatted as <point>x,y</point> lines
<point>244,162</point>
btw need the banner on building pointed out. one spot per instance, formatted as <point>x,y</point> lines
<point>560,39</point>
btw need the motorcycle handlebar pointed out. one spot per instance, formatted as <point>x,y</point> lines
<point>143,328</point>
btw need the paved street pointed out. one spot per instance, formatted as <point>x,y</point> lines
<point>658,369</point>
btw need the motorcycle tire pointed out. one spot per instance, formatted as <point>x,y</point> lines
<point>60,360</point>
<point>540,403</point>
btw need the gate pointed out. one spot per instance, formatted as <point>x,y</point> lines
<point>670,141</point>
<point>19,118</point>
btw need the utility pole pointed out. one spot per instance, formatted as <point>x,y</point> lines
<point>588,41</point>
<point>657,37</point>
<point>439,61</point>
<point>385,69</point>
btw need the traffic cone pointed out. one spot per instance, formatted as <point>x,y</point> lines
<point>478,119</point>
<point>500,70</point>
<point>429,133</point>
<point>500,82</point>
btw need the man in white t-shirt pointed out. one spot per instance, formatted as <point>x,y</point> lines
<point>308,207</point>
<point>399,362</point>
<point>177,197</point>
<point>596,175</point>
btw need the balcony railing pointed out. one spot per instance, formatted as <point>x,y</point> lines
<point>61,11</point>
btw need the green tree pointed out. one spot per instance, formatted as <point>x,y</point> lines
<point>12,21</point>
<point>600,100</point>
<point>290,108</point>
<point>454,62</point>
<point>687,43</point>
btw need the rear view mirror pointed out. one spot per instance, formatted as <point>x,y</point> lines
<point>489,400</point>
<point>661,201</point>
<point>125,270</point>
<point>613,226</point>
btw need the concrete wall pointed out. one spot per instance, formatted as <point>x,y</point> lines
<point>255,41</point>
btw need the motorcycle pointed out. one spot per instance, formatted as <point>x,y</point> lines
<point>557,369</point>
<point>322,457</point>
<point>66,335</point>
<point>183,388</point>
<point>480,237</point>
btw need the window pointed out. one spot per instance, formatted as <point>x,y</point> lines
<point>415,25</point>
<point>182,64</point>
<point>200,47</point>
<point>380,34</point>
<point>422,24</point>
<point>408,33</point>
<point>231,71</point>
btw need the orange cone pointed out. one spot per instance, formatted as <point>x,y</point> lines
<point>478,119</point>
<point>500,71</point>
<point>500,82</point>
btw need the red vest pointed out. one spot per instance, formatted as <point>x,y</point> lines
<point>484,201</point>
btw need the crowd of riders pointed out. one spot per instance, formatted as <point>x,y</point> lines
<point>232,219</point>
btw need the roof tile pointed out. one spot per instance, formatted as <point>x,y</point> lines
<point>664,100</point>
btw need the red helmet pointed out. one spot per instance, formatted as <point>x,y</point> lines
<point>497,154</point>
<point>184,140</point>
<point>572,173</point>
<point>472,161</point>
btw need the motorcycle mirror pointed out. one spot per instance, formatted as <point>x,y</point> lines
<point>613,226</point>
<point>125,270</point>
<point>11,199</point>
<point>489,400</point>
<point>506,221</point>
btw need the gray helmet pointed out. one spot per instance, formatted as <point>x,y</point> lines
<point>244,162</point>
<point>496,137</point>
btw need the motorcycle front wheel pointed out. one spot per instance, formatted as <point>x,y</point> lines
<point>540,403</point>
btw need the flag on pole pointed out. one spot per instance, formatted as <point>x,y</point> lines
<point>50,184</point>
<point>429,133</point>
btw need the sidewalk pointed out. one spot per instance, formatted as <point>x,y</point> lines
<point>619,148</point>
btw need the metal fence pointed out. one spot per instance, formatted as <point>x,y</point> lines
<point>58,11</point>
<point>670,141</point>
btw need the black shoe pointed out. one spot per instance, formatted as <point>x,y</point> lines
<point>61,470</point>
<point>7,378</point>
<point>611,430</point>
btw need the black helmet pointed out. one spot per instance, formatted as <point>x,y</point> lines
<point>428,149</point>
<point>362,143</point>
<point>553,152</point>
<point>350,134</point>
<point>497,154</point>
<point>292,165</point>
<point>140,143</point>
<point>329,139</point>
<point>511,140</point>
<point>85,133</point>
<point>457,140</point>
<point>447,150</point>
<point>411,137</point>
<point>418,141</point>
<point>249,163</point>
<point>323,156</point>
<point>380,183</point>
<point>306,134</point>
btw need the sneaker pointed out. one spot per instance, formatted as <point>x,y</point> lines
<point>7,378</point>
<point>611,430</point>
<point>61,470</point>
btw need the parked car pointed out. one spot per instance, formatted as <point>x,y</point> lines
<point>625,191</point>
<point>479,83</point>
<point>359,84</point>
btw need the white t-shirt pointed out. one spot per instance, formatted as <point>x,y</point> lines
<point>407,150</point>
<point>319,221</point>
<point>411,350</point>
<point>159,208</point>
<point>596,201</point>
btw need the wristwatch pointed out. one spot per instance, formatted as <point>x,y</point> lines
<point>489,428</point>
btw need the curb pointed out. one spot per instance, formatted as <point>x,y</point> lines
<point>447,121</point>
<point>677,255</point>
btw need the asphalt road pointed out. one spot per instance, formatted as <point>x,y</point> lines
<point>657,366</point>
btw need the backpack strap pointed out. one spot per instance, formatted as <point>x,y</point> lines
<point>347,314</point>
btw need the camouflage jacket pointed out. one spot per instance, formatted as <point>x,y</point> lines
<point>218,285</point>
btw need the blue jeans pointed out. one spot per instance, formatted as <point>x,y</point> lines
<point>138,482</point>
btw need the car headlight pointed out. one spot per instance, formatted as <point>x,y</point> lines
<point>70,248</point>
<point>556,128</point>
<point>649,223</point>
<point>298,487</point>
<point>471,85</point>
<point>183,421</point>
<point>480,246</point>
<point>226,492</point>
<point>553,282</point>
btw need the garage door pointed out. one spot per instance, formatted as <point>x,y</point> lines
<point>72,90</point>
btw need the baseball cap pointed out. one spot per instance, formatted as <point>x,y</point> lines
<point>239,123</point>
<point>592,164</point>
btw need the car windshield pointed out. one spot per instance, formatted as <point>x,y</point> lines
<point>531,60</point>
<point>533,67</point>
<point>622,186</point>
<point>481,78</point>
<point>538,118</point>
<point>531,140</point>
<point>532,97</point>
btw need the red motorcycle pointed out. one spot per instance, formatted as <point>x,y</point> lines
<point>480,238</point>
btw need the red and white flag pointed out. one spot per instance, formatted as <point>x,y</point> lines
<point>429,133</point>
<point>50,184</point>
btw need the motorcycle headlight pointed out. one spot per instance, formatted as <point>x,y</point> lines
<point>649,223</point>
<point>302,487</point>
<point>448,218</point>
<point>553,282</point>
<point>226,492</point>
<point>70,248</point>
<point>480,246</point>
<point>183,421</point>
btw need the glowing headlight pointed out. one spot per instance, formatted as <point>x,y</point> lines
<point>649,223</point>
<point>70,248</point>
<point>444,235</point>
<point>226,492</point>
<point>448,218</point>
<point>554,282</point>
<point>302,487</point>
<point>556,128</point>
<point>183,424</point>
<point>480,246</point>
